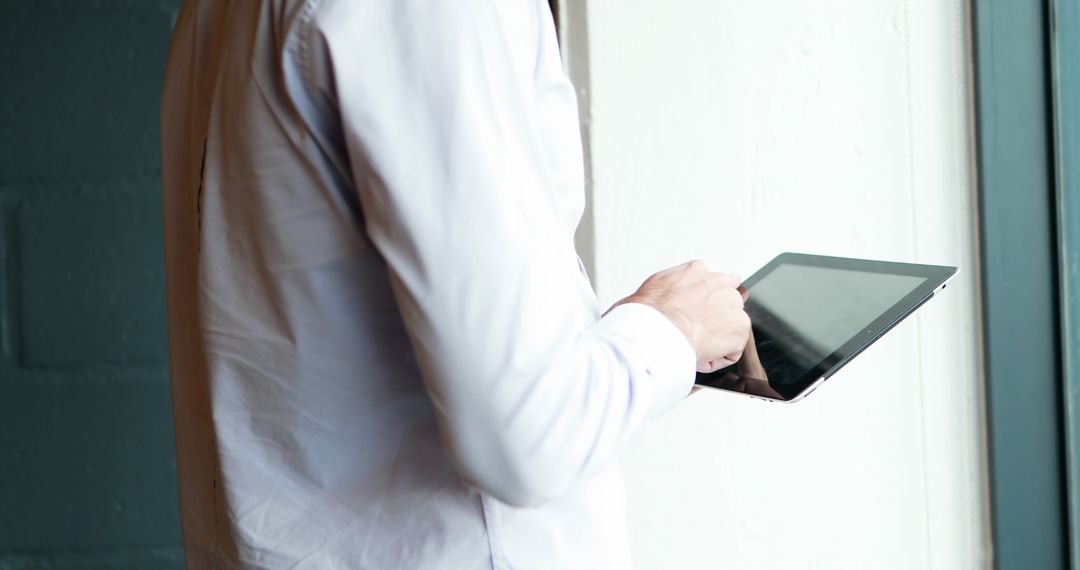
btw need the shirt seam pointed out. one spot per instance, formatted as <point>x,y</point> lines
<point>491,523</point>
<point>303,50</point>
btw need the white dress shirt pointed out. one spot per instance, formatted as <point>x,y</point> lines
<point>384,351</point>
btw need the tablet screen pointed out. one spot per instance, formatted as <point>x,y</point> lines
<point>822,309</point>
<point>811,314</point>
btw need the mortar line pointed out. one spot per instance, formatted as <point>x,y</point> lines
<point>9,312</point>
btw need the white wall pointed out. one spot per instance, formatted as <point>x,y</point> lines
<point>731,131</point>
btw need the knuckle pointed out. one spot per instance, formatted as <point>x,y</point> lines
<point>697,265</point>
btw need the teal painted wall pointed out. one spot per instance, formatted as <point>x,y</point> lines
<point>87,467</point>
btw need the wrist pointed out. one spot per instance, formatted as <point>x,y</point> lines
<point>678,318</point>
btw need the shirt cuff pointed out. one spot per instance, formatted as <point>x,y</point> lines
<point>665,350</point>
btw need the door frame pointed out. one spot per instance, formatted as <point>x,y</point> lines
<point>1028,234</point>
<point>1065,78</point>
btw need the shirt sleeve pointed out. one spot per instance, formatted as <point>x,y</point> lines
<point>437,104</point>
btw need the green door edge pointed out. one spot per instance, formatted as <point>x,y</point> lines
<point>1018,253</point>
<point>1065,69</point>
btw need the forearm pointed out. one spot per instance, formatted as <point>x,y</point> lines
<point>525,436</point>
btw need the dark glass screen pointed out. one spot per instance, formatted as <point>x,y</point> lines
<point>802,315</point>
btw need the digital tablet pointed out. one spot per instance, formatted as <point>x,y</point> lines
<point>811,314</point>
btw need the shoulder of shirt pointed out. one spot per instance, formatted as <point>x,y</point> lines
<point>344,14</point>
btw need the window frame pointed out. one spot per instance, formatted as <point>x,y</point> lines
<point>1065,79</point>
<point>1022,212</point>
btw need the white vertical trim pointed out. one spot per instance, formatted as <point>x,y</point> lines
<point>574,39</point>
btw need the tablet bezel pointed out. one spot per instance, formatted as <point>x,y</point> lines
<point>935,276</point>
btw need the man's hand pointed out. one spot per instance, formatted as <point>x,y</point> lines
<point>707,307</point>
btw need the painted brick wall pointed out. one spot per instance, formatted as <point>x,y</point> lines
<point>87,471</point>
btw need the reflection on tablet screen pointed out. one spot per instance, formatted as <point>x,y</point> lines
<point>823,308</point>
